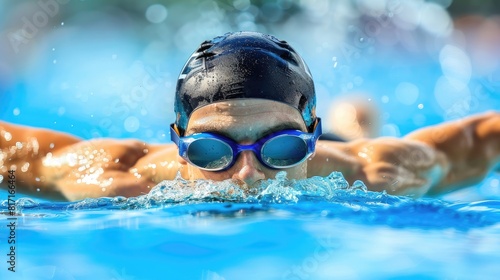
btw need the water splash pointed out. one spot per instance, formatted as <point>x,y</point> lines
<point>330,197</point>
<point>280,190</point>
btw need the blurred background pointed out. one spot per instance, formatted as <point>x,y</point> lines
<point>108,68</point>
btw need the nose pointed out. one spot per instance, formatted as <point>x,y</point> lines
<point>249,170</point>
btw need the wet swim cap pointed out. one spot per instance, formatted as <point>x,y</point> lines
<point>244,65</point>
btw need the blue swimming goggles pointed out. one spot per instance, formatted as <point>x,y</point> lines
<point>214,152</point>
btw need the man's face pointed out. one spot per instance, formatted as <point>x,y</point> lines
<point>245,121</point>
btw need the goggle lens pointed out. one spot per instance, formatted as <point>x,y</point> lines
<point>214,152</point>
<point>284,151</point>
<point>210,153</point>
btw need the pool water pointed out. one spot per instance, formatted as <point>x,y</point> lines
<point>318,228</point>
<point>100,69</point>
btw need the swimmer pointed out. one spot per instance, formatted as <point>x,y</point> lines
<point>245,110</point>
<point>352,117</point>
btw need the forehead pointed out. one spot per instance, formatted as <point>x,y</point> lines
<point>245,118</point>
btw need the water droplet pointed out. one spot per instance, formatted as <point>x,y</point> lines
<point>54,61</point>
<point>420,106</point>
<point>16,112</point>
<point>53,49</point>
<point>334,59</point>
<point>62,23</point>
<point>385,99</point>
<point>25,167</point>
<point>7,136</point>
<point>37,189</point>
<point>51,145</point>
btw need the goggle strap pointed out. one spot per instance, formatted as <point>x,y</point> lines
<point>176,129</point>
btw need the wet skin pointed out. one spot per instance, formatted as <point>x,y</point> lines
<point>245,121</point>
<point>432,160</point>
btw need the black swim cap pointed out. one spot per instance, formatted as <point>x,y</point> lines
<point>244,65</point>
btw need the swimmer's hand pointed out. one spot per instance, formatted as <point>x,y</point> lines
<point>397,166</point>
<point>431,161</point>
<point>470,145</point>
<point>401,167</point>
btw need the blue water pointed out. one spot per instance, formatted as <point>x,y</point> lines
<point>318,228</point>
<point>81,74</point>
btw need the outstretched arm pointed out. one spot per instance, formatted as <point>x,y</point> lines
<point>470,147</point>
<point>432,160</point>
<point>60,166</point>
<point>22,150</point>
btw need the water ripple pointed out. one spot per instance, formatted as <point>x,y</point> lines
<point>328,197</point>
